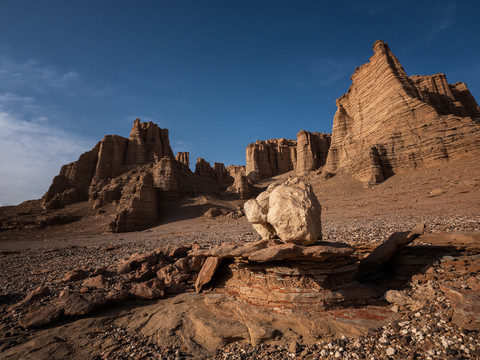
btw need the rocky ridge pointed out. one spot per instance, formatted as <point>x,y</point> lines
<point>135,174</point>
<point>388,122</point>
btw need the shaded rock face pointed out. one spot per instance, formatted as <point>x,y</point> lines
<point>270,157</point>
<point>218,173</point>
<point>184,158</point>
<point>388,122</point>
<point>234,170</point>
<point>312,151</point>
<point>290,211</point>
<point>138,205</point>
<point>240,186</point>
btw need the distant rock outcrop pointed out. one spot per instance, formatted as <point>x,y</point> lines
<point>270,157</point>
<point>218,173</point>
<point>111,157</point>
<point>312,151</point>
<point>134,172</point>
<point>184,158</point>
<point>389,122</point>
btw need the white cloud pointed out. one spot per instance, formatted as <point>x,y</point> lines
<point>444,18</point>
<point>35,76</point>
<point>32,149</point>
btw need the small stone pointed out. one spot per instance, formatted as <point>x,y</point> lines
<point>293,347</point>
<point>391,351</point>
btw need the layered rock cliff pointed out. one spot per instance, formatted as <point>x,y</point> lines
<point>388,122</point>
<point>277,156</point>
<point>312,151</point>
<point>268,158</point>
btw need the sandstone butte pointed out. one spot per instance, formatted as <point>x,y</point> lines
<point>386,123</point>
<point>389,122</point>
<point>135,172</point>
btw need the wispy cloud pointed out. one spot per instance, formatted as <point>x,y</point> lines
<point>444,18</point>
<point>31,149</point>
<point>37,78</point>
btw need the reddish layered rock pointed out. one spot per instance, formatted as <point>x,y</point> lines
<point>270,157</point>
<point>312,151</point>
<point>388,122</point>
<point>285,277</point>
<point>240,186</point>
<point>184,158</point>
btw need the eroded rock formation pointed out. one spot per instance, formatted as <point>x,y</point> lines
<point>184,158</point>
<point>270,157</point>
<point>312,151</point>
<point>134,173</point>
<point>389,122</point>
<point>218,173</point>
<point>111,157</point>
<point>138,205</point>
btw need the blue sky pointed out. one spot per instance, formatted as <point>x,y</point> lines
<point>219,74</point>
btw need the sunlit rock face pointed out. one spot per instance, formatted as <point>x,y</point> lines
<point>388,122</point>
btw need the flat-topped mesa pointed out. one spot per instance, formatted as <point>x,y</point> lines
<point>389,122</point>
<point>312,151</point>
<point>268,158</point>
<point>184,158</point>
<point>113,156</point>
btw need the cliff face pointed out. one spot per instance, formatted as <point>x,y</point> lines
<point>219,172</point>
<point>388,122</point>
<point>277,156</point>
<point>184,158</point>
<point>270,157</point>
<point>312,151</point>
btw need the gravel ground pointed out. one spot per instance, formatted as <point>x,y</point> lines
<point>423,333</point>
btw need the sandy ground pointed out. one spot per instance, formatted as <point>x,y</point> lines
<point>445,197</point>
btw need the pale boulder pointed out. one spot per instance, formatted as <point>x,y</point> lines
<point>290,211</point>
<point>295,213</point>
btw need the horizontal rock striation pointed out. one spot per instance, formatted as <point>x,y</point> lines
<point>270,157</point>
<point>286,277</point>
<point>312,151</point>
<point>389,122</point>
